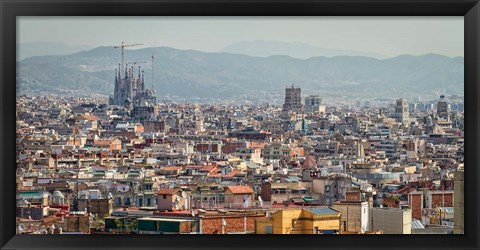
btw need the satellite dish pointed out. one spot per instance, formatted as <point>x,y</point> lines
<point>21,227</point>
<point>184,194</point>
<point>260,198</point>
<point>178,199</point>
<point>224,222</point>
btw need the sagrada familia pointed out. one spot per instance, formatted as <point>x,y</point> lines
<point>130,92</point>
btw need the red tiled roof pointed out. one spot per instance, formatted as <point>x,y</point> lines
<point>232,173</point>
<point>240,189</point>
<point>207,168</point>
<point>87,117</point>
<point>47,221</point>
<point>257,144</point>
<point>171,168</point>
<point>102,142</point>
<point>402,190</point>
<point>169,191</point>
<point>194,166</point>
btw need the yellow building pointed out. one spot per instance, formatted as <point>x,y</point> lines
<point>312,220</point>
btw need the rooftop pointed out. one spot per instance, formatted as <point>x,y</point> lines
<point>322,210</point>
<point>240,189</point>
<point>167,191</point>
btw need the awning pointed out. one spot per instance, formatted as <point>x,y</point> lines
<point>307,198</point>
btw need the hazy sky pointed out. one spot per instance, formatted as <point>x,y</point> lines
<point>389,36</point>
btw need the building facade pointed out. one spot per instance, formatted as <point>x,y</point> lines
<point>401,111</point>
<point>293,100</point>
<point>443,108</point>
<point>313,104</point>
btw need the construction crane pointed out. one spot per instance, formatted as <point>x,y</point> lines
<point>122,47</point>
<point>153,66</point>
<point>153,72</point>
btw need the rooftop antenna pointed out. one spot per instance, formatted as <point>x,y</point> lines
<point>122,47</point>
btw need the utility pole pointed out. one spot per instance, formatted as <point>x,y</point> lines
<point>123,57</point>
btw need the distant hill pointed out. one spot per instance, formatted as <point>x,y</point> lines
<point>188,73</point>
<point>261,48</point>
<point>46,48</point>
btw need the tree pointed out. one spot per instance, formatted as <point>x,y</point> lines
<point>118,223</point>
<point>132,226</point>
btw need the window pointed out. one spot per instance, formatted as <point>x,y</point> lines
<point>164,196</point>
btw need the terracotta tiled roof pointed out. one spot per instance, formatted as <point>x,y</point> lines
<point>87,117</point>
<point>240,189</point>
<point>104,141</point>
<point>402,190</point>
<point>171,168</point>
<point>207,168</point>
<point>169,191</point>
<point>232,173</point>
<point>47,221</point>
<point>257,144</point>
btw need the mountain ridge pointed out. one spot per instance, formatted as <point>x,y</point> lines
<point>220,74</point>
<point>263,48</point>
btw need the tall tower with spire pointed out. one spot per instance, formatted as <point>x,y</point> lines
<point>127,87</point>
<point>130,91</point>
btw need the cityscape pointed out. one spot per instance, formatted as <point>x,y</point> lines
<point>287,161</point>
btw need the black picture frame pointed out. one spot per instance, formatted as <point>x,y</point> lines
<point>10,9</point>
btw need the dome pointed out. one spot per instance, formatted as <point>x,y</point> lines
<point>58,194</point>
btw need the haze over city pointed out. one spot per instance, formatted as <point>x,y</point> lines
<point>189,125</point>
<point>388,36</point>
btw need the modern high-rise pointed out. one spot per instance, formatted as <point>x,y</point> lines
<point>313,104</point>
<point>443,108</point>
<point>293,100</point>
<point>401,111</point>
